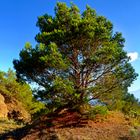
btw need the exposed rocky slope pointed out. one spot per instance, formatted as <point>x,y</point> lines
<point>3,107</point>
<point>11,108</point>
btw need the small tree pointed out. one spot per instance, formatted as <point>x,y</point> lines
<point>77,57</point>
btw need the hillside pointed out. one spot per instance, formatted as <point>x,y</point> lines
<point>70,125</point>
<point>11,108</point>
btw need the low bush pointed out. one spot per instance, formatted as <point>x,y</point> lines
<point>97,110</point>
<point>133,134</point>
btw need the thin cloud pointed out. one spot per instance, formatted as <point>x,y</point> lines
<point>133,56</point>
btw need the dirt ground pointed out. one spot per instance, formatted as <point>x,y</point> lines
<point>70,126</point>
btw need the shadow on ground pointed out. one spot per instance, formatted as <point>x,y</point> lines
<point>30,132</point>
<point>44,128</point>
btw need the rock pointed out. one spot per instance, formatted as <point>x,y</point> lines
<point>16,110</point>
<point>11,108</point>
<point>3,107</point>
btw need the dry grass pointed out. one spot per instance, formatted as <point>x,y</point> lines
<point>8,125</point>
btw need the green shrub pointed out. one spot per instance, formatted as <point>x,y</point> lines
<point>116,105</point>
<point>133,133</point>
<point>40,112</point>
<point>22,92</point>
<point>84,109</point>
<point>97,110</point>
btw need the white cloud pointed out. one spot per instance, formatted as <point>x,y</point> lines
<point>133,55</point>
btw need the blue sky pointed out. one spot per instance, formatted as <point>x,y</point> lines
<point>18,25</point>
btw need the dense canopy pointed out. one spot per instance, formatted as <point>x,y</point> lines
<point>77,58</point>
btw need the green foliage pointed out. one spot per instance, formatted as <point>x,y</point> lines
<point>114,98</point>
<point>116,105</point>
<point>134,133</point>
<point>131,106</point>
<point>21,92</point>
<point>119,99</point>
<point>77,57</point>
<point>8,125</point>
<point>41,112</point>
<point>97,110</point>
<point>84,108</point>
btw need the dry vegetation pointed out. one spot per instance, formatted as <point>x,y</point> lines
<point>8,125</point>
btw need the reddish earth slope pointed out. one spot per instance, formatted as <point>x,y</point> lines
<point>70,125</point>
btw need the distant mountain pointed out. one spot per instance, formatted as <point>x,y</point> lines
<point>136,93</point>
